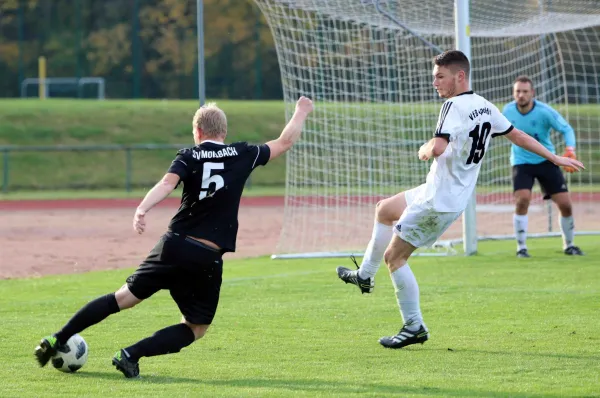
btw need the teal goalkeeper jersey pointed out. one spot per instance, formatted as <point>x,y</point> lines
<point>538,123</point>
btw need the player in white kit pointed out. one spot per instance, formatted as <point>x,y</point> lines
<point>418,217</point>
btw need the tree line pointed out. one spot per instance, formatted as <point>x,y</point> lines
<point>143,48</point>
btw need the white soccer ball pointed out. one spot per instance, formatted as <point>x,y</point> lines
<point>71,356</point>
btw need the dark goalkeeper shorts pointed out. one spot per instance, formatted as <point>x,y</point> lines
<point>548,174</point>
<point>190,270</point>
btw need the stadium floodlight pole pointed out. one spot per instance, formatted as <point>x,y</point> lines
<point>403,26</point>
<point>462,31</point>
<point>200,34</point>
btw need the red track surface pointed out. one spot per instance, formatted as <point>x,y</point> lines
<point>262,201</point>
<point>42,237</point>
<point>7,205</point>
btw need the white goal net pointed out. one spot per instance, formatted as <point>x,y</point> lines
<point>375,105</point>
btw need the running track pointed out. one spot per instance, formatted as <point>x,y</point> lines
<point>70,204</point>
<point>262,201</point>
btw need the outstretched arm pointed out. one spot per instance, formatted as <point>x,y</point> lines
<point>156,195</point>
<point>292,130</point>
<point>526,141</point>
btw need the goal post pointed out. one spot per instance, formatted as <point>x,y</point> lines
<point>371,80</point>
<point>75,84</point>
<point>463,43</point>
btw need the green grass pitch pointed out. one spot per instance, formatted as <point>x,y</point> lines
<point>500,327</point>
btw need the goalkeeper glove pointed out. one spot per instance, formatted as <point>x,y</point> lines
<point>569,153</point>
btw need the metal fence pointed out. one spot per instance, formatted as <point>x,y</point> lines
<point>129,166</point>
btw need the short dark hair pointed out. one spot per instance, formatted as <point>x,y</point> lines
<point>453,58</point>
<point>523,79</point>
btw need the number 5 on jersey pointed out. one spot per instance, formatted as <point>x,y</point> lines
<point>208,179</point>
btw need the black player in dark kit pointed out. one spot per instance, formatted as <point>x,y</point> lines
<point>187,260</point>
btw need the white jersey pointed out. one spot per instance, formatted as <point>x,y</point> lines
<point>468,121</point>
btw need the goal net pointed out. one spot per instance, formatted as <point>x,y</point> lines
<point>375,106</point>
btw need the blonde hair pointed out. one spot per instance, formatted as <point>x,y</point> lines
<point>211,120</point>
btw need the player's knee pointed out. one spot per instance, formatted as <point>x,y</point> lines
<point>393,260</point>
<point>522,204</point>
<point>126,299</point>
<point>198,330</point>
<point>387,257</point>
<point>390,257</point>
<point>384,212</point>
<point>378,208</point>
<point>566,210</point>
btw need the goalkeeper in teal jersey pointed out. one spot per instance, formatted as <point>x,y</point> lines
<point>538,119</point>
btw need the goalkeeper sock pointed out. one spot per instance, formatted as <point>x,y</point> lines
<point>165,341</point>
<point>380,239</point>
<point>520,224</point>
<point>407,295</point>
<point>90,314</point>
<point>567,227</point>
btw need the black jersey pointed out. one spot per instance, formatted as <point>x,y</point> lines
<point>213,176</point>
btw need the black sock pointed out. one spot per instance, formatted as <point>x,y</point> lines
<point>165,341</point>
<point>90,314</point>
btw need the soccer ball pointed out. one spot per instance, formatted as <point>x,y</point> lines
<point>71,356</point>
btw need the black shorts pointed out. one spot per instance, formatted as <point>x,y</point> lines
<point>190,270</point>
<point>548,174</point>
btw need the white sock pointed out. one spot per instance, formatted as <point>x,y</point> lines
<point>407,294</point>
<point>520,224</point>
<point>567,227</point>
<point>380,239</point>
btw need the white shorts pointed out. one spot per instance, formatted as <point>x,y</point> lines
<point>421,225</point>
